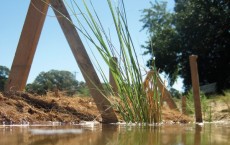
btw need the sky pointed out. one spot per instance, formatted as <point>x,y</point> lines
<point>53,51</point>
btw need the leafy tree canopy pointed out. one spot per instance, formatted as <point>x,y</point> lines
<point>54,79</point>
<point>198,27</point>
<point>4,74</point>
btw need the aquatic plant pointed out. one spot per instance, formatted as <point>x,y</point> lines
<point>138,101</point>
<point>206,111</point>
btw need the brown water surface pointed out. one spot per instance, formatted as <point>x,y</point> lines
<point>175,134</point>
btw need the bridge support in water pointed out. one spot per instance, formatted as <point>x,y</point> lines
<point>195,87</point>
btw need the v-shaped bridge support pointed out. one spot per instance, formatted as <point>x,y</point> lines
<point>28,43</point>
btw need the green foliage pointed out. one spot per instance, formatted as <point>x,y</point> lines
<point>204,104</point>
<point>175,93</point>
<point>134,104</point>
<point>83,90</point>
<point>56,80</point>
<point>4,74</point>
<point>163,45</point>
<point>196,27</point>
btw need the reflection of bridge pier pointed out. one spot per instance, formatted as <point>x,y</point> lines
<point>197,135</point>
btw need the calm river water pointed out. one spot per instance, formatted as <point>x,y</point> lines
<point>176,134</point>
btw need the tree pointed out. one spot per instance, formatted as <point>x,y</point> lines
<point>4,74</point>
<point>162,45</point>
<point>175,93</point>
<point>197,27</point>
<point>54,79</point>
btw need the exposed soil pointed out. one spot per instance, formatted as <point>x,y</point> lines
<point>20,108</point>
<point>220,108</point>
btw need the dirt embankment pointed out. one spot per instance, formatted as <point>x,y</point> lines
<point>17,107</point>
<point>20,108</point>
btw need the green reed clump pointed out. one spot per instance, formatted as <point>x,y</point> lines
<point>206,110</point>
<point>139,101</point>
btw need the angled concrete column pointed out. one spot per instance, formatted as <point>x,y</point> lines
<point>162,88</point>
<point>183,105</point>
<point>84,63</point>
<point>27,45</point>
<point>166,96</point>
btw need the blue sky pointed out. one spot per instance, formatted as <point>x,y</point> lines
<point>53,51</point>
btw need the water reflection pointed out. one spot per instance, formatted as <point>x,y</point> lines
<point>189,134</point>
<point>197,134</point>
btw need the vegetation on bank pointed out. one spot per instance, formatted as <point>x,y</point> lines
<point>173,37</point>
<point>193,27</point>
<point>139,101</point>
<point>55,80</point>
<point>4,74</point>
<point>214,106</point>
